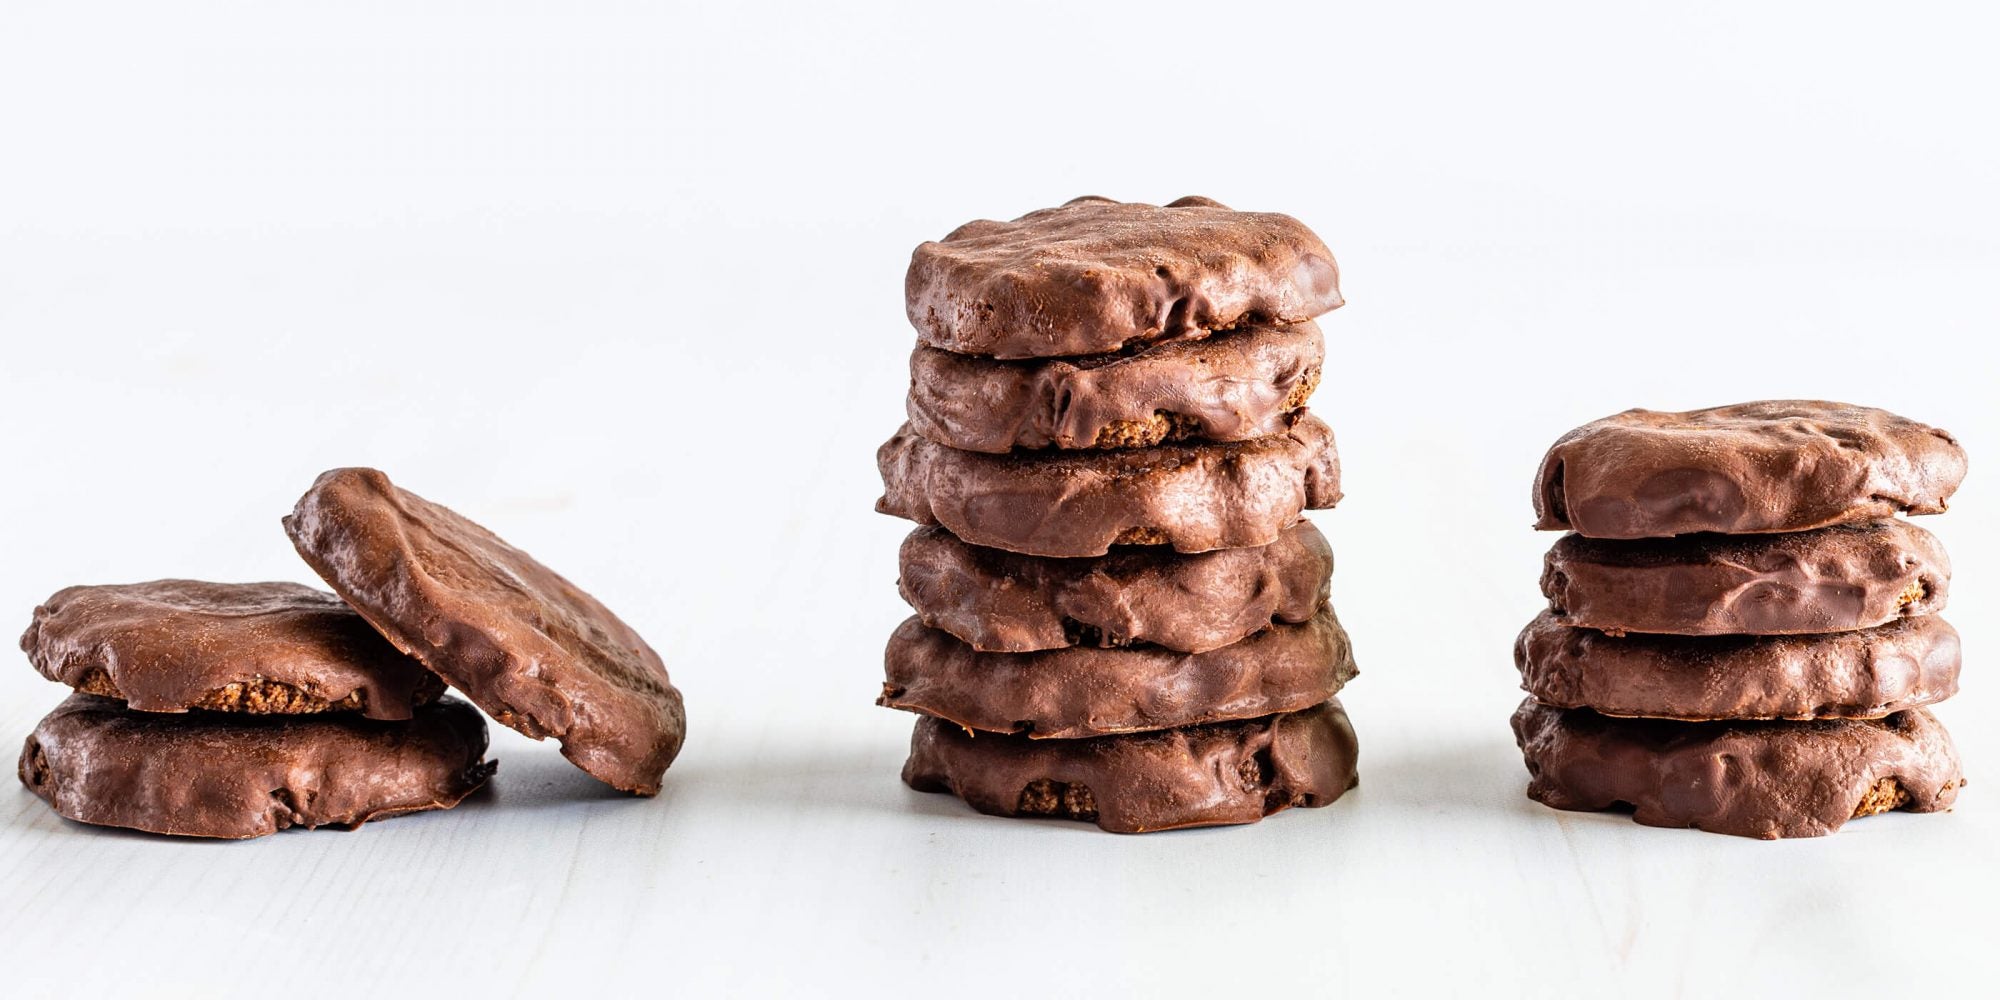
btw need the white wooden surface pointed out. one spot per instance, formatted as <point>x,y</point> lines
<point>624,285</point>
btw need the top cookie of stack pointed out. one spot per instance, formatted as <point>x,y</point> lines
<point>1107,374</point>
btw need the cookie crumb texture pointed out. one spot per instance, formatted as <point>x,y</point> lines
<point>236,776</point>
<point>1229,773</point>
<point>1096,276</point>
<point>1748,779</point>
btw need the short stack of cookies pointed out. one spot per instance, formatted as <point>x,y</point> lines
<point>1121,616</point>
<point>1742,634</point>
<point>236,710</point>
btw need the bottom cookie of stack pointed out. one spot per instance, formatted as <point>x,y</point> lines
<point>1207,775</point>
<point>232,775</point>
<point>1765,779</point>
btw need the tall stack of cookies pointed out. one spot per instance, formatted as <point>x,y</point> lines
<point>1121,616</point>
<point>1741,634</point>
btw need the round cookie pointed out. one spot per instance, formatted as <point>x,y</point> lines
<point>1245,384</point>
<point>175,645</point>
<point>1096,276</point>
<point>1192,497</point>
<point>1861,674</point>
<point>237,776</point>
<point>1083,691</point>
<point>1234,772</point>
<point>1772,465</point>
<point>1748,779</point>
<point>527,646</point>
<point>1003,602</point>
<point>1825,580</point>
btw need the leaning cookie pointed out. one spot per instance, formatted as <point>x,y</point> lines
<point>1773,465</point>
<point>1002,602</point>
<point>1236,386</point>
<point>1096,276</point>
<point>238,776</point>
<point>1827,580</point>
<point>1192,497</point>
<point>1749,779</point>
<point>175,645</point>
<point>1082,691</point>
<point>1863,674</point>
<point>527,646</point>
<point>1234,772</point>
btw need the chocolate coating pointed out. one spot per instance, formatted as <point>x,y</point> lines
<point>1245,384</point>
<point>1233,772</point>
<point>173,645</point>
<point>1772,465</point>
<point>1083,691</point>
<point>1749,779</point>
<point>527,646</point>
<point>206,774</point>
<point>1193,497</point>
<point>1863,674</point>
<point>1003,602</point>
<point>1826,580</point>
<point>1095,276</point>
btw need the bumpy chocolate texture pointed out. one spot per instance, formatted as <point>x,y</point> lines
<point>1095,276</point>
<point>1233,772</point>
<point>528,647</point>
<point>1082,691</point>
<point>1827,580</point>
<point>1773,465</point>
<point>1002,602</point>
<point>207,774</point>
<point>1862,674</point>
<point>1236,386</point>
<point>1749,779</point>
<point>1192,497</point>
<point>173,645</point>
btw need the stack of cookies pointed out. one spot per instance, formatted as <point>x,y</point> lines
<point>1121,616</point>
<point>237,710</point>
<point>1741,634</point>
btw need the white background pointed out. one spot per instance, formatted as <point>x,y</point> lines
<point>623,282</point>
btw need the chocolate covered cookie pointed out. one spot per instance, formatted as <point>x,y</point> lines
<point>1236,386</point>
<point>1861,674</point>
<point>175,645</point>
<point>1096,276</point>
<point>1826,580</point>
<point>1085,691</point>
<point>1773,465</point>
<point>1750,779</point>
<point>1003,602</point>
<point>1233,772</point>
<point>529,647</point>
<point>1192,497</point>
<point>206,774</point>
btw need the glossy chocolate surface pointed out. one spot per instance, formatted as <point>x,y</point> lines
<point>1771,465</point>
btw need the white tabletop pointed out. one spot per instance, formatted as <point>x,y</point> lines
<point>625,287</point>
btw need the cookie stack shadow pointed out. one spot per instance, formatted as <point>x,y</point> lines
<point>1742,635</point>
<point>1121,615</point>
